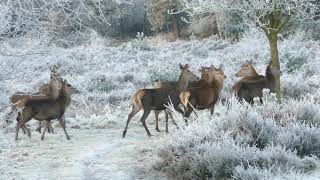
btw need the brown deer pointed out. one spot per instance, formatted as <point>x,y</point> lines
<point>46,109</point>
<point>50,90</point>
<point>205,94</point>
<point>157,99</point>
<point>248,73</point>
<point>248,89</point>
<point>18,99</point>
<point>171,84</point>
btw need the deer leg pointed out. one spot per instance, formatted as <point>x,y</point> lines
<point>134,111</point>
<point>44,130</point>
<point>47,126</point>
<point>143,121</point>
<point>23,127</point>
<point>212,107</point>
<point>28,130</point>
<point>189,110</point>
<point>62,124</point>
<point>17,130</point>
<point>187,115</point>
<point>19,125</point>
<point>212,110</point>
<point>156,114</point>
<point>22,120</point>
<point>50,127</point>
<point>39,127</point>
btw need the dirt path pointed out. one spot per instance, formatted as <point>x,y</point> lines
<point>91,154</point>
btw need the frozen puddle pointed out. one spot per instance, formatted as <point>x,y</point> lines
<point>91,154</point>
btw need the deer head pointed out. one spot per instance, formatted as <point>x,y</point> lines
<point>218,74</point>
<point>68,88</point>
<point>206,73</point>
<point>246,70</point>
<point>185,74</point>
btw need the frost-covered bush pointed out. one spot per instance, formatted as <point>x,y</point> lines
<point>139,43</point>
<point>231,24</point>
<point>244,142</point>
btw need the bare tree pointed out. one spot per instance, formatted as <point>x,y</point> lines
<point>20,16</point>
<point>269,15</point>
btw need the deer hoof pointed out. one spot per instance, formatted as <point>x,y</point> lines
<point>124,134</point>
<point>158,130</point>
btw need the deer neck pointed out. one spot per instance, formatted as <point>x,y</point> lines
<point>183,81</point>
<point>218,84</point>
<point>64,99</point>
<point>253,73</point>
<point>54,88</point>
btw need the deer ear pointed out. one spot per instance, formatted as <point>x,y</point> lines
<point>181,66</point>
<point>212,66</point>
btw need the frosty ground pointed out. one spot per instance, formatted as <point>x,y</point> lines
<point>107,75</point>
<point>91,154</point>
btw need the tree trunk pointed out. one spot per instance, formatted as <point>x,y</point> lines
<point>273,42</point>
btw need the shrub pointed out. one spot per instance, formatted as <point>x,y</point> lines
<point>243,143</point>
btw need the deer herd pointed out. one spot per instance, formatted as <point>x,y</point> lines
<point>185,95</point>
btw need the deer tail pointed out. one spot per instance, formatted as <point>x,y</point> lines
<point>184,98</point>
<point>136,99</point>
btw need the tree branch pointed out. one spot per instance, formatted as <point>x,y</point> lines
<point>284,23</point>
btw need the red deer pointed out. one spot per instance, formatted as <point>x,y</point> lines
<point>46,109</point>
<point>46,90</point>
<point>205,94</point>
<point>248,88</point>
<point>248,72</point>
<point>157,99</point>
<point>171,84</point>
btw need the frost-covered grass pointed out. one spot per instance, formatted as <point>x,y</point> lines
<point>107,76</point>
<point>243,142</point>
